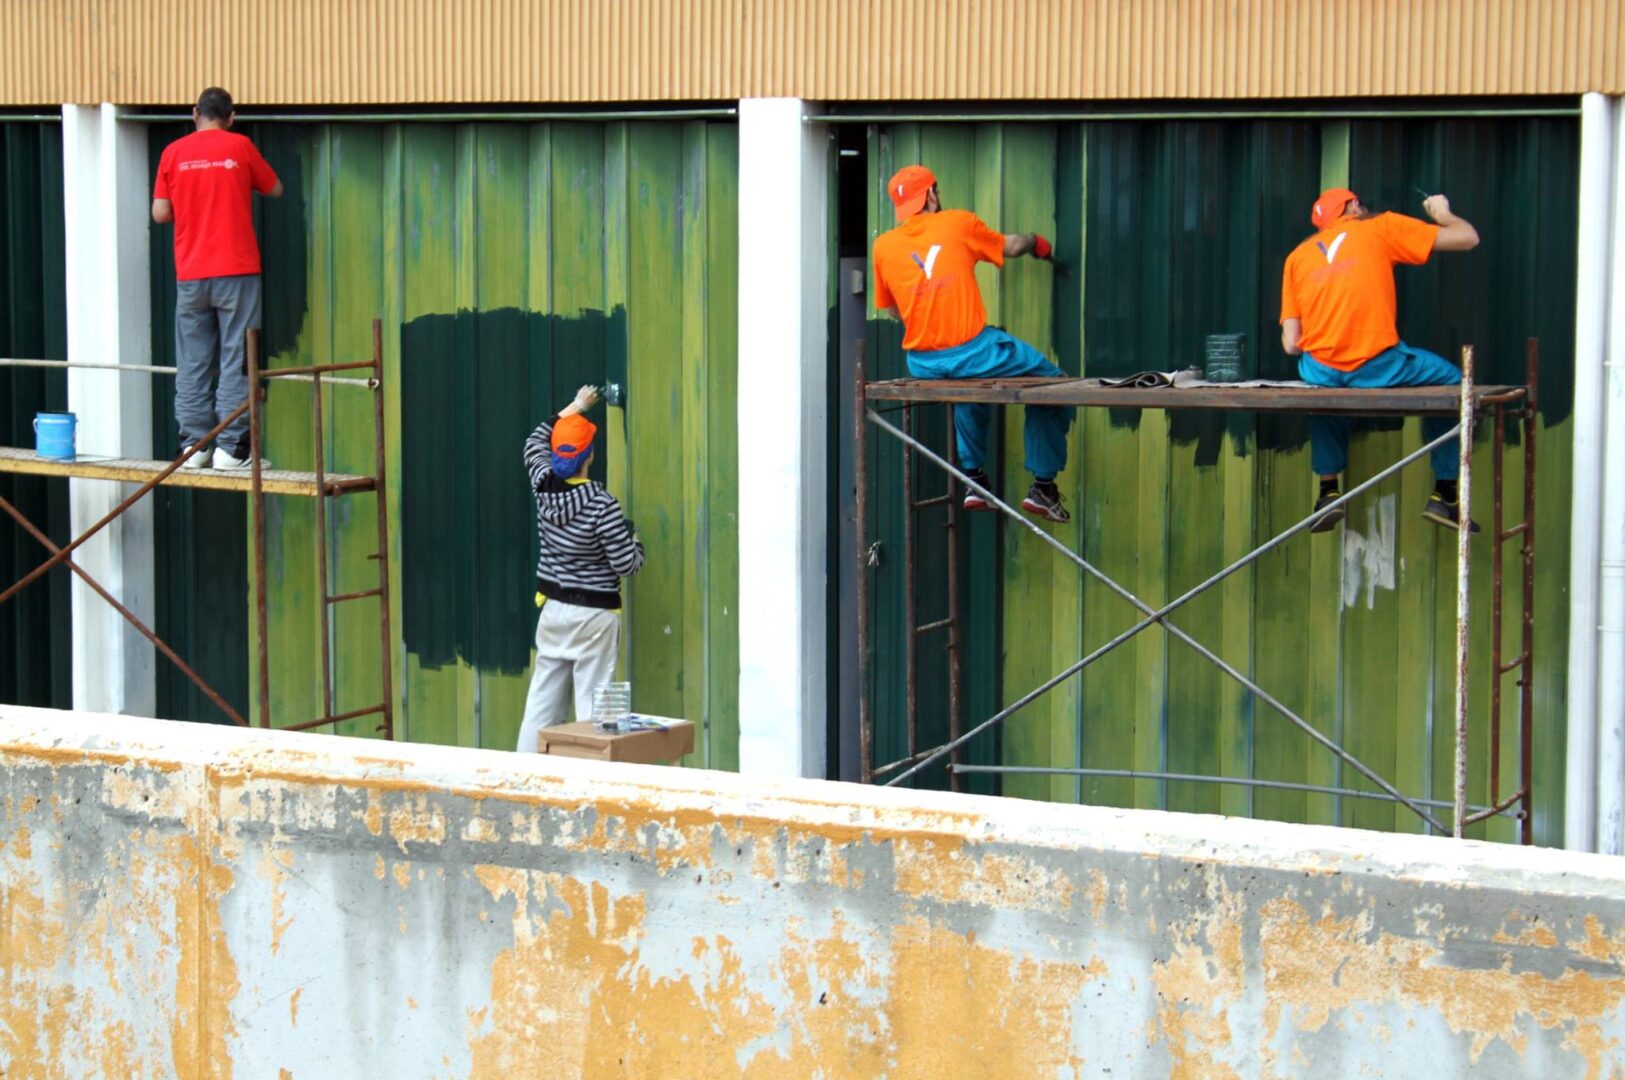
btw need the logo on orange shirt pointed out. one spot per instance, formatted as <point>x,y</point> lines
<point>929,261</point>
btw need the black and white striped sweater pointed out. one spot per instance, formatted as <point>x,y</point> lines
<point>586,543</point>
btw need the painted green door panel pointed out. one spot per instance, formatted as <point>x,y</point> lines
<point>35,626</point>
<point>510,263</point>
<point>1169,232</point>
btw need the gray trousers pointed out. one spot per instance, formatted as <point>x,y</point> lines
<point>212,320</point>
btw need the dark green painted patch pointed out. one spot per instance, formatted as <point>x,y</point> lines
<point>473,387</point>
<point>1515,180</point>
<point>35,631</point>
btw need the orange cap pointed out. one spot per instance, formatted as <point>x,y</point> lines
<point>909,188</point>
<point>1330,206</point>
<point>572,442</point>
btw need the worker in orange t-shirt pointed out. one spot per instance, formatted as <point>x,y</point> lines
<point>1338,317</point>
<point>925,276</point>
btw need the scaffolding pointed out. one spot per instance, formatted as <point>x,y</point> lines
<point>1467,404</point>
<point>257,482</point>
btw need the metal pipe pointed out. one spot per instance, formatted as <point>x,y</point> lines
<point>954,721</point>
<point>1136,774</point>
<point>860,505</point>
<point>893,766</point>
<point>1496,808</point>
<point>1464,539</point>
<point>134,369</point>
<point>1585,534</point>
<point>1098,116</point>
<point>911,689</point>
<point>459,116</point>
<point>324,605</point>
<point>316,369</point>
<point>129,616</point>
<point>360,594</point>
<point>257,501</point>
<point>158,369</point>
<point>1159,616</point>
<point>63,553</point>
<point>305,725</point>
<point>1526,684</point>
<point>30,118</point>
<point>385,661</point>
<point>1498,671</point>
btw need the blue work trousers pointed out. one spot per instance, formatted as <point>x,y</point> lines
<point>1399,365</point>
<point>994,354</point>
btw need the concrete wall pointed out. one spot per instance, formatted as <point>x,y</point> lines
<point>207,901</point>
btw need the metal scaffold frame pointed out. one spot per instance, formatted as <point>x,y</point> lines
<point>1466,404</point>
<point>257,483</point>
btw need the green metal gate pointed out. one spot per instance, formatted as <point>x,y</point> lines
<point>510,262</point>
<point>1169,231</point>
<point>35,627</point>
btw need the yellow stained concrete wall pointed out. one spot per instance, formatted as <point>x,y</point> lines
<point>204,901</point>
<point>318,52</point>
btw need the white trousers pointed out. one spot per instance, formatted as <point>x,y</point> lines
<point>573,645</point>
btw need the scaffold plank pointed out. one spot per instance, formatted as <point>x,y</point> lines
<point>139,471</point>
<point>1388,401</point>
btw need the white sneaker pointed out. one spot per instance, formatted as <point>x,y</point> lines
<point>199,460</point>
<point>224,461</point>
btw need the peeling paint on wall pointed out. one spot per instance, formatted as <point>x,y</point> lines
<point>1369,556</point>
<point>209,902</point>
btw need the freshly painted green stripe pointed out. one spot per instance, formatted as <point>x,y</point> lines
<point>615,344</point>
<point>505,613</point>
<point>438,710</point>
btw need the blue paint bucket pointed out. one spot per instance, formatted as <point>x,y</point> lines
<point>54,435</point>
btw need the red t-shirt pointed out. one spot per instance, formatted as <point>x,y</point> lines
<point>209,177</point>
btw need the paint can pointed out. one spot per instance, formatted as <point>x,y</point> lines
<point>54,435</point>
<point>1224,358</point>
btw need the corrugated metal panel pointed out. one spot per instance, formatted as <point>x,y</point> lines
<point>378,51</point>
<point>511,263</point>
<point>1172,231</point>
<point>35,631</point>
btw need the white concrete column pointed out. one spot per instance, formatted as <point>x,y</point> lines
<point>783,399</point>
<point>1611,617</point>
<point>107,201</point>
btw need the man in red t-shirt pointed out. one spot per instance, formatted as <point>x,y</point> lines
<point>925,277</point>
<point>206,184</point>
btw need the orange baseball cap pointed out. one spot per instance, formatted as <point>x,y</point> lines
<point>572,442</point>
<point>1330,206</point>
<point>909,188</point>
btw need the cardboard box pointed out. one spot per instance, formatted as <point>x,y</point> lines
<point>652,747</point>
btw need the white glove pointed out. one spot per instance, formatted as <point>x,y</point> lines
<point>586,398</point>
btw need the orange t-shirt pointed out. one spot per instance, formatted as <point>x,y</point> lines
<point>1340,283</point>
<point>926,268</point>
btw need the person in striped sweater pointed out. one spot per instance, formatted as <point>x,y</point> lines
<point>587,546</point>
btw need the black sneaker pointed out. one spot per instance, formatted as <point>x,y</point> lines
<point>1045,504</point>
<point>1447,514</point>
<point>974,501</point>
<point>1327,521</point>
